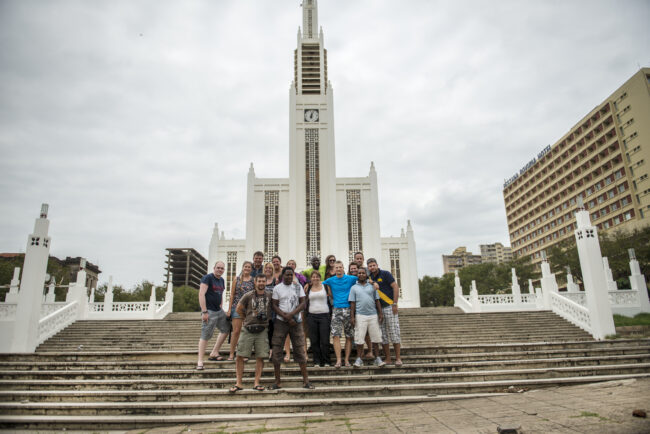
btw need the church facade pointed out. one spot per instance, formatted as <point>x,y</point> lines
<point>314,213</point>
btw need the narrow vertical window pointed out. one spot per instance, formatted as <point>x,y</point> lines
<point>394,268</point>
<point>312,204</point>
<point>271,219</point>
<point>355,243</point>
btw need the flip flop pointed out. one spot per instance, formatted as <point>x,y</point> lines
<point>308,386</point>
<point>199,367</point>
<point>337,366</point>
<point>398,364</point>
<point>348,365</point>
<point>234,389</point>
<point>216,358</point>
<point>275,387</point>
<point>259,388</point>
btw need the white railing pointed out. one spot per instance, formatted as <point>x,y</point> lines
<point>528,298</point>
<point>576,297</point>
<point>571,311</point>
<point>57,321</point>
<point>624,297</point>
<point>48,308</point>
<point>163,308</point>
<point>8,311</point>
<point>496,299</point>
<point>130,306</point>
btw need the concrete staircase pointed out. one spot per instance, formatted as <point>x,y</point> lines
<point>128,374</point>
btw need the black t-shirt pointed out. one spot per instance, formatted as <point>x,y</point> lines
<point>213,295</point>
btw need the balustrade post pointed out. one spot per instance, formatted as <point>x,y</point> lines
<point>49,298</point>
<point>30,296</point>
<point>152,301</point>
<point>473,298</point>
<point>609,278</point>
<point>571,285</point>
<point>78,292</point>
<point>92,295</point>
<point>548,282</point>
<point>593,276</point>
<point>12,295</point>
<point>458,290</point>
<point>169,295</point>
<point>108,297</point>
<point>638,282</point>
<point>539,298</point>
<point>516,289</point>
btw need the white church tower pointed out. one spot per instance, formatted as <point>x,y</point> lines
<point>314,213</point>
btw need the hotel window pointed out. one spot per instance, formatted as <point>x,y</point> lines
<point>627,215</point>
<point>611,194</point>
<point>617,220</point>
<point>621,188</point>
<point>601,199</point>
<point>624,201</point>
<point>614,206</point>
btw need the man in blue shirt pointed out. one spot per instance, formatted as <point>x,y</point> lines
<point>212,315</point>
<point>258,267</point>
<point>388,295</point>
<point>366,315</point>
<point>340,285</point>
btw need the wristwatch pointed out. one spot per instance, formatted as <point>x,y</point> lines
<point>205,311</point>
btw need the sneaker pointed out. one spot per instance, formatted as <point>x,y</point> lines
<point>380,363</point>
<point>358,363</point>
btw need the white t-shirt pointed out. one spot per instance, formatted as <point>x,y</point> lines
<point>288,297</point>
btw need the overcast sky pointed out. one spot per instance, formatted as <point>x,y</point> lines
<point>137,120</point>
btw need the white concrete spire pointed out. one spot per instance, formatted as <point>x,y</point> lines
<point>310,19</point>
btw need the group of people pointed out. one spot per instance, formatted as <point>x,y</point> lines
<point>272,304</point>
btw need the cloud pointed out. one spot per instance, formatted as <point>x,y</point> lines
<point>137,122</point>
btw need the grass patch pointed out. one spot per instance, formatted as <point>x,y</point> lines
<point>590,414</point>
<point>639,319</point>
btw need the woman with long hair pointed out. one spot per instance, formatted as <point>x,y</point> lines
<point>318,319</point>
<point>329,266</point>
<point>242,284</point>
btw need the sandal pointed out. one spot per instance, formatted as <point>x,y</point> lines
<point>348,365</point>
<point>234,389</point>
<point>308,386</point>
<point>398,364</point>
<point>216,358</point>
<point>259,388</point>
<point>337,366</point>
<point>199,367</point>
<point>275,387</point>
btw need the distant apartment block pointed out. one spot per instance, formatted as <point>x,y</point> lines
<point>604,159</point>
<point>458,259</point>
<point>185,267</point>
<point>495,253</point>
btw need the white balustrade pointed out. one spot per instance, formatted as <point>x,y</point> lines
<point>463,303</point>
<point>130,306</point>
<point>48,308</point>
<point>528,299</point>
<point>571,311</point>
<point>57,321</point>
<point>576,297</point>
<point>496,299</point>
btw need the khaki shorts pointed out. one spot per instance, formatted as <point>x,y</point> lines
<point>253,341</point>
<point>367,323</point>
<point>216,319</point>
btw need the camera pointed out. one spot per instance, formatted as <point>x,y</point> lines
<point>262,316</point>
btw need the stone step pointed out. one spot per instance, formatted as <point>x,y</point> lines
<point>186,370</point>
<point>347,377</point>
<point>289,399</point>
<point>189,361</point>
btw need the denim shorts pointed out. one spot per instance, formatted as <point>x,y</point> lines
<point>233,312</point>
<point>216,319</point>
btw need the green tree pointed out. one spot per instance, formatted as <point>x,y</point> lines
<point>186,299</point>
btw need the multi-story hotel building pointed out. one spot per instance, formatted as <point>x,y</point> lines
<point>495,253</point>
<point>604,158</point>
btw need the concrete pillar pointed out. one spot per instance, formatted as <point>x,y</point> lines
<point>49,298</point>
<point>78,292</point>
<point>30,296</point>
<point>516,289</point>
<point>169,295</point>
<point>458,290</point>
<point>152,299</point>
<point>611,285</point>
<point>571,285</point>
<point>548,282</point>
<point>92,295</point>
<point>593,275</point>
<point>473,298</point>
<point>108,297</point>
<point>12,295</point>
<point>638,282</point>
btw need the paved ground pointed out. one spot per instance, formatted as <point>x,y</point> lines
<point>596,408</point>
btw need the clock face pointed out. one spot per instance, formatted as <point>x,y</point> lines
<point>311,115</point>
